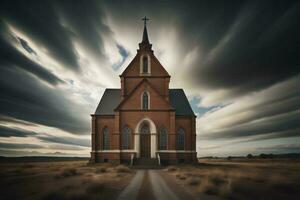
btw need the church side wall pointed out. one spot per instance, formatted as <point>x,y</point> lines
<point>98,154</point>
<point>186,124</point>
<point>188,154</point>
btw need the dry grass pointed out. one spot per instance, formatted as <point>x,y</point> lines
<point>122,169</point>
<point>171,169</point>
<point>223,179</point>
<point>69,172</point>
<point>62,180</point>
<point>101,170</point>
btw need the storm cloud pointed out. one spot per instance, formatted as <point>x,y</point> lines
<point>14,132</point>
<point>237,61</point>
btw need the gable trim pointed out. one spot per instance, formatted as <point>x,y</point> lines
<point>137,86</point>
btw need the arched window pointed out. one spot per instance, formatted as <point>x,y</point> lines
<point>105,138</point>
<point>126,137</point>
<point>180,139</point>
<point>145,101</point>
<point>163,138</point>
<point>145,64</point>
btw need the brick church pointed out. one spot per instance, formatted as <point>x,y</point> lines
<point>144,119</point>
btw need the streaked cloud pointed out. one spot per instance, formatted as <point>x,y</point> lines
<point>237,62</point>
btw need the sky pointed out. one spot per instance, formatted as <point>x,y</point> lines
<point>238,62</point>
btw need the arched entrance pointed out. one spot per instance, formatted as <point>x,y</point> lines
<point>145,143</point>
<point>145,138</point>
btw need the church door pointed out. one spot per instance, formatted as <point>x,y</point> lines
<point>145,141</point>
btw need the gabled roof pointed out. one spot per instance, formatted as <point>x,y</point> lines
<point>179,101</point>
<point>109,101</point>
<point>112,98</point>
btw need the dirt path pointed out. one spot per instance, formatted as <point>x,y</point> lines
<point>149,184</point>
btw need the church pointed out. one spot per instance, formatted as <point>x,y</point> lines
<point>144,119</point>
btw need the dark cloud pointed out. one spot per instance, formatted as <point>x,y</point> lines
<point>19,146</point>
<point>85,21</point>
<point>26,46</point>
<point>14,132</point>
<point>24,97</point>
<point>54,24</point>
<point>41,22</point>
<point>260,48</point>
<point>12,58</point>
<point>66,140</point>
<point>5,119</point>
<point>287,125</point>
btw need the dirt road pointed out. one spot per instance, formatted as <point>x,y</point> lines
<point>151,185</point>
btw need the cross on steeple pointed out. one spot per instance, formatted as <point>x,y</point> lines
<point>145,44</point>
<point>145,19</point>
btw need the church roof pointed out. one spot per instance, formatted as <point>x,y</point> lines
<point>112,97</point>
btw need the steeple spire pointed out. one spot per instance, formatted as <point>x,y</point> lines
<point>145,44</point>
<point>145,34</point>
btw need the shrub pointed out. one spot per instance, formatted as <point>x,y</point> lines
<point>95,187</point>
<point>122,169</point>
<point>211,191</point>
<point>217,180</point>
<point>180,176</point>
<point>101,170</point>
<point>194,181</point>
<point>171,169</point>
<point>69,172</point>
<point>249,155</point>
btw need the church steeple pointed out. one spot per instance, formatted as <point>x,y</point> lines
<point>145,34</point>
<point>145,44</point>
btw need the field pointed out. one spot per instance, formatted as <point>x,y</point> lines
<point>62,180</point>
<point>240,178</point>
<point>210,179</point>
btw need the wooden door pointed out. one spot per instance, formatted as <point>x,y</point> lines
<point>145,142</point>
<point>145,146</point>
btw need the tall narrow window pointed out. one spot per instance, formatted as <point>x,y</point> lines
<point>145,64</point>
<point>126,137</point>
<point>163,138</point>
<point>180,139</point>
<point>145,101</point>
<point>105,138</point>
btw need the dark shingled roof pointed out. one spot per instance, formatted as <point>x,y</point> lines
<point>109,101</point>
<point>112,97</point>
<point>179,101</point>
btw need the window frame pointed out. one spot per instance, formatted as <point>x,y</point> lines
<point>148,101</point>
<point>147,57</point>
<point>105,137</point>
<point>145,62</point>
<point>126,137</point>
<point>162,131</point>
<point>180,139</point>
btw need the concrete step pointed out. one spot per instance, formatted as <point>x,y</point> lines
<point>145,163</point>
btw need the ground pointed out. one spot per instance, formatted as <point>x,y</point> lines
<point>210,179</point>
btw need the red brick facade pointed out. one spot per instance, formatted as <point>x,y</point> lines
<point>159,114</point>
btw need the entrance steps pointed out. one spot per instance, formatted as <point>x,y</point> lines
<point>146,163</point>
